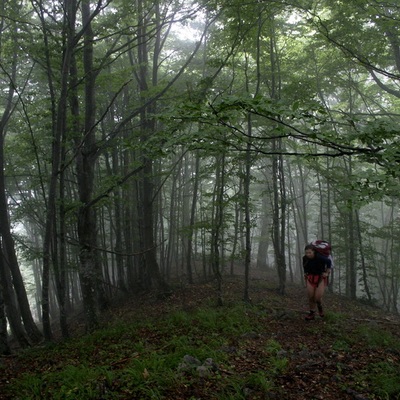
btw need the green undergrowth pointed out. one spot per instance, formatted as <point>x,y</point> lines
<point>382,375</point>
<point>143,358</point>
<point>381,378</point>
<point>136,360</point>
<point>371,356</point>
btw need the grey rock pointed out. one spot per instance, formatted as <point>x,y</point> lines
<point>210,364</point>
<point>192,364</point>
<point>190,360</point>
<point>203,371</point>
<point>189,363</point>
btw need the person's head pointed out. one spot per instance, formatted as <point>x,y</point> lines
<point>309,251</point>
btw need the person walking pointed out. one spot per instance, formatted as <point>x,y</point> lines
<point>317,269</point>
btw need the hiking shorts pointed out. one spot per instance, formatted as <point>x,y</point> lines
<point>314,280</point>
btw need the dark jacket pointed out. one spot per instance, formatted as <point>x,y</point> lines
<point>317,265</point>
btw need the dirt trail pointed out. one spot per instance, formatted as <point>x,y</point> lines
<point>325,359</point>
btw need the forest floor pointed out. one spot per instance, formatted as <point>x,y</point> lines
<point>185,347</point>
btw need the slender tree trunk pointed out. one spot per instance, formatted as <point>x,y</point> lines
<point>59,128</point>
<point>278,176</point>
<point>60,263</point>
<point>10,303</point>
<point>118,218</point>
<point>11,261</point>
<point>364,272</point>
<point>351,276</point>
<point>265,234</point>
<point>289,249</point>
<point>147,127</point>
<point>279,215</point>
<point>8,245</point>
<point>321,225</point>
<point>303,207</point>
<point>195,190</point>
<point>4,346</point>
<point>217,225</point>
<point>90,271</point>
<point>236,231</point>
<point>131,227</point>
<point>246,189</point>
<point>298,198</point>
<point>4,349</point>
<point>329,224</point>
<point>173,225</point>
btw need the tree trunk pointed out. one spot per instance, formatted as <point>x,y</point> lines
<point>4,347</point>
<point>59,128</point>
<point>118,217</point>
<point>131,226</point>
<point>364,273</point>
<point>236,230</point>
<point>217,222</point>
<point>279,218</point>
<point>89,271</point>
<point>10,304</point>
<point>351,275</point>
<point>278,176</point>
<point>195,189</point>
<point>60,263</point>
<point>10,259</point>
<point>247,219</point>
<point>264,240</point>
<point>298,195</point>
<point>171,256</point>
<point>147,127</point>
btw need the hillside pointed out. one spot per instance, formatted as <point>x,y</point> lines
<point>184,347</point>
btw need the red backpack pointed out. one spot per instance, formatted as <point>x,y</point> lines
<point>322,246</point>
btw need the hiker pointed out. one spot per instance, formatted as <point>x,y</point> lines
<point>317,268</point>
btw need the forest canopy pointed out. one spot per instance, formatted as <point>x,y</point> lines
<point>143,143</point>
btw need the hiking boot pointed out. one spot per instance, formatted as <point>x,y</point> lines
<point>320,310</point>
<point>310,316</point>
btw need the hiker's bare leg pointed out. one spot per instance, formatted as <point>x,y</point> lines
<point>311,295</point>
<point>319,291</point>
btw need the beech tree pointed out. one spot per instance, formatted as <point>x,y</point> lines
<point>11,278</point>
